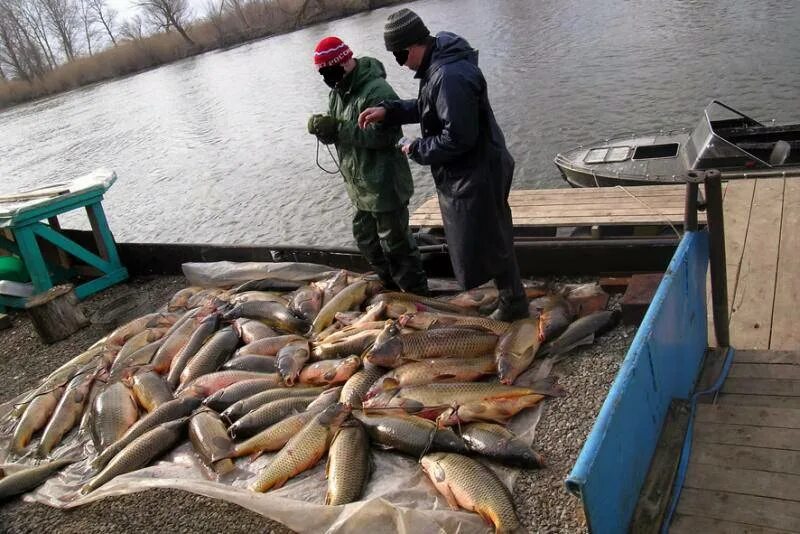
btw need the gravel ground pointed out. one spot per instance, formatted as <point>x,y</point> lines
<point>543,504</point>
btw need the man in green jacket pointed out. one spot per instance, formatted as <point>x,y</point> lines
<point>376,173</point>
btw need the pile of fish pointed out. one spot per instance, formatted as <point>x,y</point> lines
<point>331,367</point>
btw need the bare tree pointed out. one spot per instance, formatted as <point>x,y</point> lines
<point>215,17</point>
<point>31,12</point>
<point>19,48</point>
<point>168,14</point>
<point>105,15</point>
<point>236,6</point>
<point>88,23</point>
<point>64,20</point>
<point>134,28</point>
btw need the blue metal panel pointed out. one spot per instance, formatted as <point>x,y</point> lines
<point>663,362</point>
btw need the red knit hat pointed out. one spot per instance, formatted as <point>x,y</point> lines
<point>331,51</point>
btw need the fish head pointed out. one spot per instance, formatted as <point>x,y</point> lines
<point>505,370</point>
<point>385,354</point>
<point>334,415</point>
<point>430,464</point>
<point>381,399</point>
<point>447,418</point>
<point>232,313</point>
<point>325,399</point>
<point>349,366</point>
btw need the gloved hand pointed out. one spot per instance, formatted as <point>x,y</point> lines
<point>325,127</point>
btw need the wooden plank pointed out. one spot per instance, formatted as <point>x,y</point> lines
<point>757,458</point>
<point>577,205</point>
<point>762,386</point>
<point>751,316</point>
<point>785,334</point>
<point>534,220</point>
<point>657,489</point>
<point>746,509</point>
<point>751,436</point>
<point>585,210</point>
<point>749,415</point>
<point>744,481</point>
<point>639,191</point>
<point>736,211</point>
<point>766,356</point>
<point>692,524</point>
<point>772,401</point>
<point>783,371</point>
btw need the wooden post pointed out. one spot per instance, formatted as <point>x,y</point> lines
<point>55,313</point>
<point>690,211</point>
<point>716,245</point>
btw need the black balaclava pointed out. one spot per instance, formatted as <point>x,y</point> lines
<point>332,75</point>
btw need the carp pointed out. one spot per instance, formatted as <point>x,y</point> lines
<point>469,484</point>
<point>516,349</point>
<point>434,370</point>
<point>348,464</point>
<point>211,356</point>
<point>500,444</point>
<point>139,452</point>
<point>304,450</point>
<point>329,372</point>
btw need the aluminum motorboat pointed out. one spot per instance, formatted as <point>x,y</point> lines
<point>724,139</point>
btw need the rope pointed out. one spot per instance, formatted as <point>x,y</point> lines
<point>686,451</point>
<point>646,205</point>
<point>335,162</point>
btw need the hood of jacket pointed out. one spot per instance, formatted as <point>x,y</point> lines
<point>367,68</point>
<point>450,47</point>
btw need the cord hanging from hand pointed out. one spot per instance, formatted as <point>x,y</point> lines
<point>335,162</point>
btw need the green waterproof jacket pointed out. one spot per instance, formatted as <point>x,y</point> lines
<point>375,171</point>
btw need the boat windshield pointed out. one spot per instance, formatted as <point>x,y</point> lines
<point>709,146</point>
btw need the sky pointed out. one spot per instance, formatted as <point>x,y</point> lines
<point>127,8</point>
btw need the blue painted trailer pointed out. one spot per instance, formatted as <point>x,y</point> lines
<point>662,363</point>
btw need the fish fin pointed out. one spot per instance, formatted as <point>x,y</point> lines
<point>450,497</point>
<point>444,376</point>
<point>222,443</point>
<point>253,457</point>
<point>390,383</point>
<point>588,340</point>
<point>330,375</point>
<point>546,386</point>
<point>485,515</point>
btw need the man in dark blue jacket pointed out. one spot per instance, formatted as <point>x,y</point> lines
<point>463,144</point>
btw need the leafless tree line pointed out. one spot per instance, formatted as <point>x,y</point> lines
<point>36,36</point>
<point>45,45</point>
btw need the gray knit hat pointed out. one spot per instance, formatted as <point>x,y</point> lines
<point>403,29</point>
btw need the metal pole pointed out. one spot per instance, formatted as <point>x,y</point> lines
<point>690,211</point>
<point>719,278</point>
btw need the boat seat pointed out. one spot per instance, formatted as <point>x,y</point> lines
<point>780,153</point>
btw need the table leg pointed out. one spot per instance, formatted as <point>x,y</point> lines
<point>32,256</point>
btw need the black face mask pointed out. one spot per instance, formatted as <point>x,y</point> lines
<point>401,56</point>
<point>332,75</point>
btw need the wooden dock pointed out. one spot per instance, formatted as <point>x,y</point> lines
<point>548,210</point>
<point>744,470</point>
<point>762,250</point>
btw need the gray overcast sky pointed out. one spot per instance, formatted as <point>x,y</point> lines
<point>127,8</point>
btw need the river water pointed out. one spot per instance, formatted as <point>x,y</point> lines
<point>215,148</point>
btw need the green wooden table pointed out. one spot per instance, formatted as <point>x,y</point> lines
<point>32,220</point>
